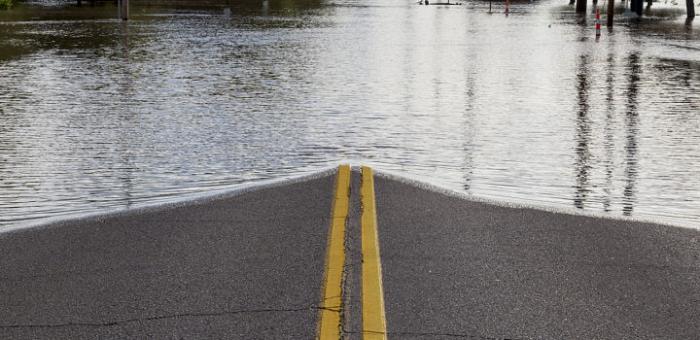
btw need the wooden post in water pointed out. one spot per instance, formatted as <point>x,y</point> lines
<point>611,12</point>
<point>690,7</point>
<point>637,6</point>
<point>124,9</point>
<point>581,6</point>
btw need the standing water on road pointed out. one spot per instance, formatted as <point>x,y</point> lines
<point>99,114</point>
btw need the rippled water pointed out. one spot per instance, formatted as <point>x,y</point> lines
<point>97,114</point>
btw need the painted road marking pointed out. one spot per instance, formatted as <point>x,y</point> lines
<point>329,321</point>
<point>373,318</point>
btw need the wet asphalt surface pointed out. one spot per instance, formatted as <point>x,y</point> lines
<point>251,267</point>
<point>245,267</point>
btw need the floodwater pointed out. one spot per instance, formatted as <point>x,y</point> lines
<point>97,114</point>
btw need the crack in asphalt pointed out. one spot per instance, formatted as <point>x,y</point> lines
<point>171,316</point>
<point>432,334</point>
<point>454,335</point>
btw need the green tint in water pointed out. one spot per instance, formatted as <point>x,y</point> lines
<point>6,4</point>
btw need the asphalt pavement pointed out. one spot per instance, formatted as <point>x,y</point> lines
<point>454,268</point>
<point>251,266</point>
<point>243,267</point>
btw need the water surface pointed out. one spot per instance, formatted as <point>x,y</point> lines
<point>98,114</point>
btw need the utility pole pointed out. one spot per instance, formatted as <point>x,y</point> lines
<point>581,6</point>
<point>637,7</point>
<point>124,9</point>
<point>690,7</point>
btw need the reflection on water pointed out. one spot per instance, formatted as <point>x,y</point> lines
<point>583,134</point>
<point>631,119</point>
<point>96,113</point>
<point>609,133</point>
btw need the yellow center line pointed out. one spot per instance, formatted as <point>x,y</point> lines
<point>373,318</point>
<point>331,306</point>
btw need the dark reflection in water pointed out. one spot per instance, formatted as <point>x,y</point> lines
<point>583,133</point>
<point>470,89</point>
<point>98,114</point>
<point>124,31</point>
<point>469,94</point>
<point>129,121</point>
<point>609,142</point>
<point>631,122</point>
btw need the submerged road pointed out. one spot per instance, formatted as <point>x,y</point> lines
<point>353,255</point>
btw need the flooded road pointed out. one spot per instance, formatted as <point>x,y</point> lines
<point>98,114</point>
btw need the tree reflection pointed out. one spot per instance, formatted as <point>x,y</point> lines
<point>468,116</point>
<point>583,133</point>
<point>609,143</point>
<point>631,129</point>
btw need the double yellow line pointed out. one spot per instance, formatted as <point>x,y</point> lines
<point>373,317</point>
